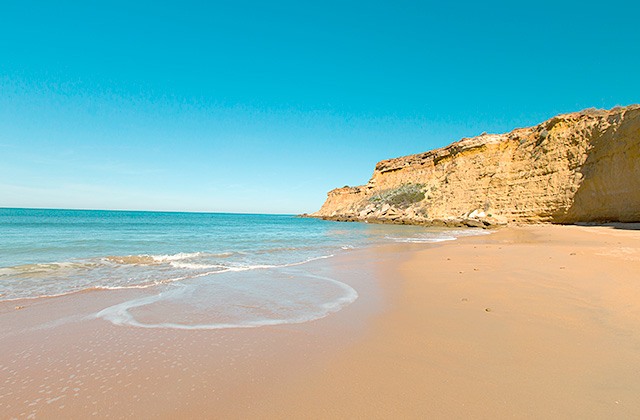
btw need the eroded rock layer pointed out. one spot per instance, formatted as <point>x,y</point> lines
<point>578,167</point>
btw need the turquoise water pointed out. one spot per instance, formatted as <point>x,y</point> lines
<point>235,265</point>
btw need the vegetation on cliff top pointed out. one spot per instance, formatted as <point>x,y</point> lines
<point>401,197</point>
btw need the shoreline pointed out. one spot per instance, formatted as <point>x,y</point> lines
<point>454,222</point>
<point>60,361</point>
<point>529,322</point>
<point>534,321</point>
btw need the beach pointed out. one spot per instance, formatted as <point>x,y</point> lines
<point>527,322</point>
<point>530,322</point>
<point>319,210</point>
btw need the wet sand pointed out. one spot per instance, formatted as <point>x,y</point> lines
<point>530,322</point>
<point>58,360</point>
<point>535,322</point>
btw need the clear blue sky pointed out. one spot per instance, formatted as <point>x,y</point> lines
<point>264,106</point>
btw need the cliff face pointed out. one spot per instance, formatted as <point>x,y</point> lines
<point>578,167</point>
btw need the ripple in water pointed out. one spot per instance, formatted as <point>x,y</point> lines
<point>200,270</point>
<point>236,300</point>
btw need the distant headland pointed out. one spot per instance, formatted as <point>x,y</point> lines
<point>577,167</point>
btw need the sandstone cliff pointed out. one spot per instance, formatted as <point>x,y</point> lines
<point>578,167</point>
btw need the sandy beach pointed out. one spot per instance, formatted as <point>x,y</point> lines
<point>319,210</point>
<point>528,322</point>
<point>531,322</point>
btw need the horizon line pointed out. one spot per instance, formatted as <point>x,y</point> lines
<point>148,211</point>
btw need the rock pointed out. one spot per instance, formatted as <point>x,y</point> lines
<point>494,221</point>
<point>367,211</point>
<point>578,167</point>
<point>477,214</point>
<point>472,223</point>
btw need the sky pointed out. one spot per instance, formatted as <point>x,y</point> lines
<point>264,106</point>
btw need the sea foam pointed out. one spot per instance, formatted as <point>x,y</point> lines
<point>204,270</point>
<point>236,302</point>
<point>438,236</point>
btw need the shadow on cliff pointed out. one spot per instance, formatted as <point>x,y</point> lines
<point>614,225</point>
<point>626,226</point>
<point>610,187</point>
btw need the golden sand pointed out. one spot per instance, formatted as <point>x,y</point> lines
<point>529,322</point>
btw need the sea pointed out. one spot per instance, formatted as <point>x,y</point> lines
<point>222,270</point>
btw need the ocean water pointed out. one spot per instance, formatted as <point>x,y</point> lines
<point>214,270</point>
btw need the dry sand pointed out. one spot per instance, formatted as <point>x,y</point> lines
<point>529,322</point>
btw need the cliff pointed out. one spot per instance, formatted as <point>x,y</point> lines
<point>578,167</point>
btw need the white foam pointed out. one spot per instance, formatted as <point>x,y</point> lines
<point>186,269</point>
<point>120,314</point>
<point>308,261</point>
<point>195,266</point>
<point>176,257</point>
<point>435,237</point>
<point>422,240</point>
<point>237,268</point>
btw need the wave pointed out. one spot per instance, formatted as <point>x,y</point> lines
<point>108,279</point>
<point>435,237</point>
<point>146,259</point>
<point>142,271</point>
<point>43,268</point>
<point>419,240</point>
<point>177,257</point>
<point>287,313</point>
<point>132,259</point>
